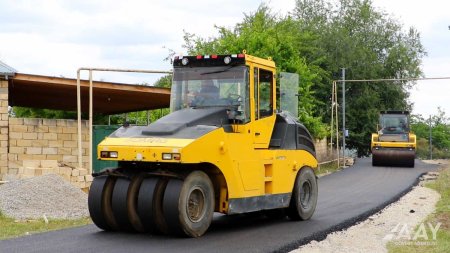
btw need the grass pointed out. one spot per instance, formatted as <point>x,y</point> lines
<point>10,228</point>
<point>328,168</point>
<point>441,214</point>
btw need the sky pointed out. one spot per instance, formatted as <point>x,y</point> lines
<point>56,37</point>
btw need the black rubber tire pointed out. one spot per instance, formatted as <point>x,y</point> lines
<point>119,204</point>
<point>304,195</point>
<point>171,206</point>
<point>412,163</point>
<point>132,203</point>
<point>99,203</point>
<point>158,214</point>
<point>374,161</point>
<point>146,203</point>
<point>189,205</point>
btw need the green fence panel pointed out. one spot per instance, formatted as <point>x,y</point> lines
<point>99,134</point>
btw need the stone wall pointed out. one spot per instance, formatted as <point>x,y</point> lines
<point>323,151</point>
<point>46,139</point>
<point>45,146</point>
<point>3,127</point>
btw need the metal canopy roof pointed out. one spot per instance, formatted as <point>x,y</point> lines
<point>60,93</point>
<point>6,71</point>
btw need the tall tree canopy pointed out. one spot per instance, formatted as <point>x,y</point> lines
<point>318,39</point>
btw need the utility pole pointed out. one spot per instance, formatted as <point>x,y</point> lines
<point>431,142</point>
<point>343,114</point>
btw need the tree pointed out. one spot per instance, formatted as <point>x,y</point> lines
<point>26,112</point>
<point>164,81</point>
<point>440,134</point>
<point>352,34</point>
<point>266,35</point>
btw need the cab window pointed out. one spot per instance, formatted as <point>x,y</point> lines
<point>265,105</point>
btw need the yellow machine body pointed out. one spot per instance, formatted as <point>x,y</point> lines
<point>393,144</point>
<point>247,173</point>
<point>410,144</point>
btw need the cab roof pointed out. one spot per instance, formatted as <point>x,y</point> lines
<point>395,112</point>
<point>219,60</point>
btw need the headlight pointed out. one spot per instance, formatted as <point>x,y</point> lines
<point>171,156</point>
<point>109,154</point>
<point>167,156</point>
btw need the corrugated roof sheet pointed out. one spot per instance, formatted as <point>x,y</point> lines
<point>6,70</point>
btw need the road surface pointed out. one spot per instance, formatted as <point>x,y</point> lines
<point>345,198</point>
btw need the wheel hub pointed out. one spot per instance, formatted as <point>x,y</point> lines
<point>195,204</point>
<point>305,195</point>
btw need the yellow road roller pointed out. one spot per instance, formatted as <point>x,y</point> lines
<point>393,144</point>
<point>232,144</point>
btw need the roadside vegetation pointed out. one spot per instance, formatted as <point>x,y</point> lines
<point>10,228</point>
<point>439,126</point>
<point>442,215</point>
<point>328,168</point>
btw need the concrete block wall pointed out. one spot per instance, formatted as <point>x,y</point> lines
<point>3,126</point>
<point>46,139</point>
<point>33,144</point>
<point>323,151</point>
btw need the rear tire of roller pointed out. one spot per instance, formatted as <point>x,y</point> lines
<point>304,195</point>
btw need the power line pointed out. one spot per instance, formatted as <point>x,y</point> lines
<point>393,79</point>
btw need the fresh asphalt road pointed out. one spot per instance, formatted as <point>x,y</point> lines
<point>345,197</point>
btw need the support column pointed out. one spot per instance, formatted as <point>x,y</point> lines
<point>4,131</point>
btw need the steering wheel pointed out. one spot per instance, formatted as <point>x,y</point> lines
<point>234,99</point>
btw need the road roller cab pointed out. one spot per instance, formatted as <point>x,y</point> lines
<point>393,144</point>
<point>229,145</point>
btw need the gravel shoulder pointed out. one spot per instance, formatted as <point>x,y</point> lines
<point>48,196</point>
<point>373,234</point>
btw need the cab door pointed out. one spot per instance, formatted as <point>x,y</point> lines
<point>264,106</point>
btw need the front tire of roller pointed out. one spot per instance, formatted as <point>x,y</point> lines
<point>124,203</point>
<point>132,203</point>
<point>375,160</point>
<point>149,206</point>
<point>189,204</point>
<point>119,204</point>
<point>99,203</point>
<point>304,195</point>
